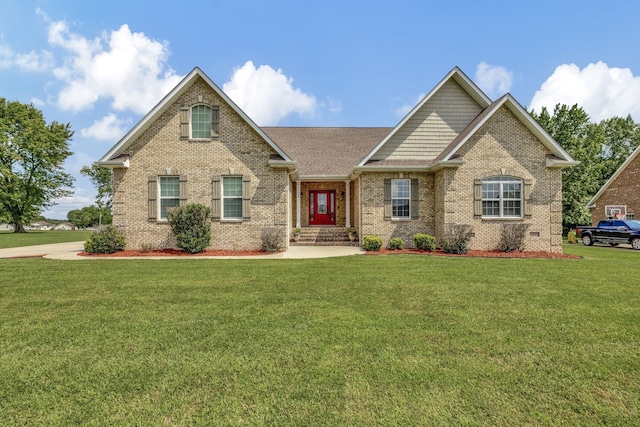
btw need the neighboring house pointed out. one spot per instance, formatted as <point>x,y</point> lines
<point>456,158</point>
<point>6,227</point>
<point>64,226</point>
<point>40,225</point>
<point>619,197</point>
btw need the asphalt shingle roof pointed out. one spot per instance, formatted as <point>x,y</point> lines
<point>326,151</point>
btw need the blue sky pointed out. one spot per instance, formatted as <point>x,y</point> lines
<point>102,65</point>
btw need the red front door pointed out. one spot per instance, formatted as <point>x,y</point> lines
<point>322,209</point>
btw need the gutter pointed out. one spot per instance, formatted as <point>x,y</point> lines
<point>118,162</point>
<point>556,163</point>
<point>394,168</point>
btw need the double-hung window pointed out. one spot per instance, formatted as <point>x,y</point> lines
<point>232,197</point>
<point>169,194</point>
<point>201,122</point>
<point>400,198</point>
<point>501,197</point>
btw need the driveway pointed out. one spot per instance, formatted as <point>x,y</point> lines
<point>69,251</point>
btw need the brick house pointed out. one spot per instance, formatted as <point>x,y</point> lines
<point>456,158</point>
<point>619,196</point>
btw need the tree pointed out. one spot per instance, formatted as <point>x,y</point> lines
<point>621,137</point>
<point>32,154</point>
<point>571,128</point>
<point>89,216</point>
<point>101,179</point>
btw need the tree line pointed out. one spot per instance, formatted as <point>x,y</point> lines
<point>601,148</point>
<point>32,155</point>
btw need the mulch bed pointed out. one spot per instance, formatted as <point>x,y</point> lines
<point>475,254</point>
<point>175,252</point>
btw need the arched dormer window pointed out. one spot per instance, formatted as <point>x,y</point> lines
<point>502,197</point>
<point>199,121</point>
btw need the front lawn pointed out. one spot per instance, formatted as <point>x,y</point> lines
<point>9,239</point>
<point>362,340</point>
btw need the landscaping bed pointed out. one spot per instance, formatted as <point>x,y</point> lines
<point>383,251</point>
<point>176,252</point>
<point>476,254</point>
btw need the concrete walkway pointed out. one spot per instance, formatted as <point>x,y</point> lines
<point>69,251</point>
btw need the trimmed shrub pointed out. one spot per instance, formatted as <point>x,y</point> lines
<point>512,237</point>
<point>396,243</point>
<point>272,239</point>
<point>457,240</point>
<point>424,242</point>
<point>105,241</point>
<point>191,226</point>
<point>371,243</point>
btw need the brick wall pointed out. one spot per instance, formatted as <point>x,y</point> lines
<point>621,191</point>
<point>503,146</point>
<point>371,208</point>
<point>239,150</point>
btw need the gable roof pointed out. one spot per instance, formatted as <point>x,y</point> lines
<point>456,75</point>
<point>623,166</point>
<point>559,158</point>
<point>323,153</point>
<point>114,156</point>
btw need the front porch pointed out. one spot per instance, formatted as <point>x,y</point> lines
<point>323,203</point>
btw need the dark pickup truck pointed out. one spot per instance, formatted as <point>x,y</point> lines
<point>611,231</point>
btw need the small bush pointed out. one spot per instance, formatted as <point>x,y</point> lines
<point>396,243</point>
<point>272,239</point>
<point>105,241</point>
<point>372,243</point>
<point>424,242</point>
<point>512,237</point>
<point>457,240</point>
<point>191,227</point>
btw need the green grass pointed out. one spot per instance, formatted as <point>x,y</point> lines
<point>367,340</point>
<point>9,239</point>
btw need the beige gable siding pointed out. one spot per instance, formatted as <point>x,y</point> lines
<point>433,126</point>
<point>239,150</point>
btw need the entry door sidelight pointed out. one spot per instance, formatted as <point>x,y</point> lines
<point>322,209</point>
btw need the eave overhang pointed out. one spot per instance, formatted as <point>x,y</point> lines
<point>120,162</point>
<point>433,167</point>
<point>553,162</point>
<point>323,178</point>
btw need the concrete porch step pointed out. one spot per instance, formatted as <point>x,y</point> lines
<point>324,236</point>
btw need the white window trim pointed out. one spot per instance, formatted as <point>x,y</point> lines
<point>191,122</point>
<point>501,199</point>
<point>223,198</point>
<point>408,198</point>
<point>161,198</point>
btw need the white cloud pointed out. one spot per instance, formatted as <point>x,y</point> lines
<point>63,205</point>
<point>495,81</point>
<point>127,68</point>
<point>603,92</point>
<point>108,128</point>
<point>39,103</point>
<point>335,105</point>
<point>267,95</point>
<point>31,61</point>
